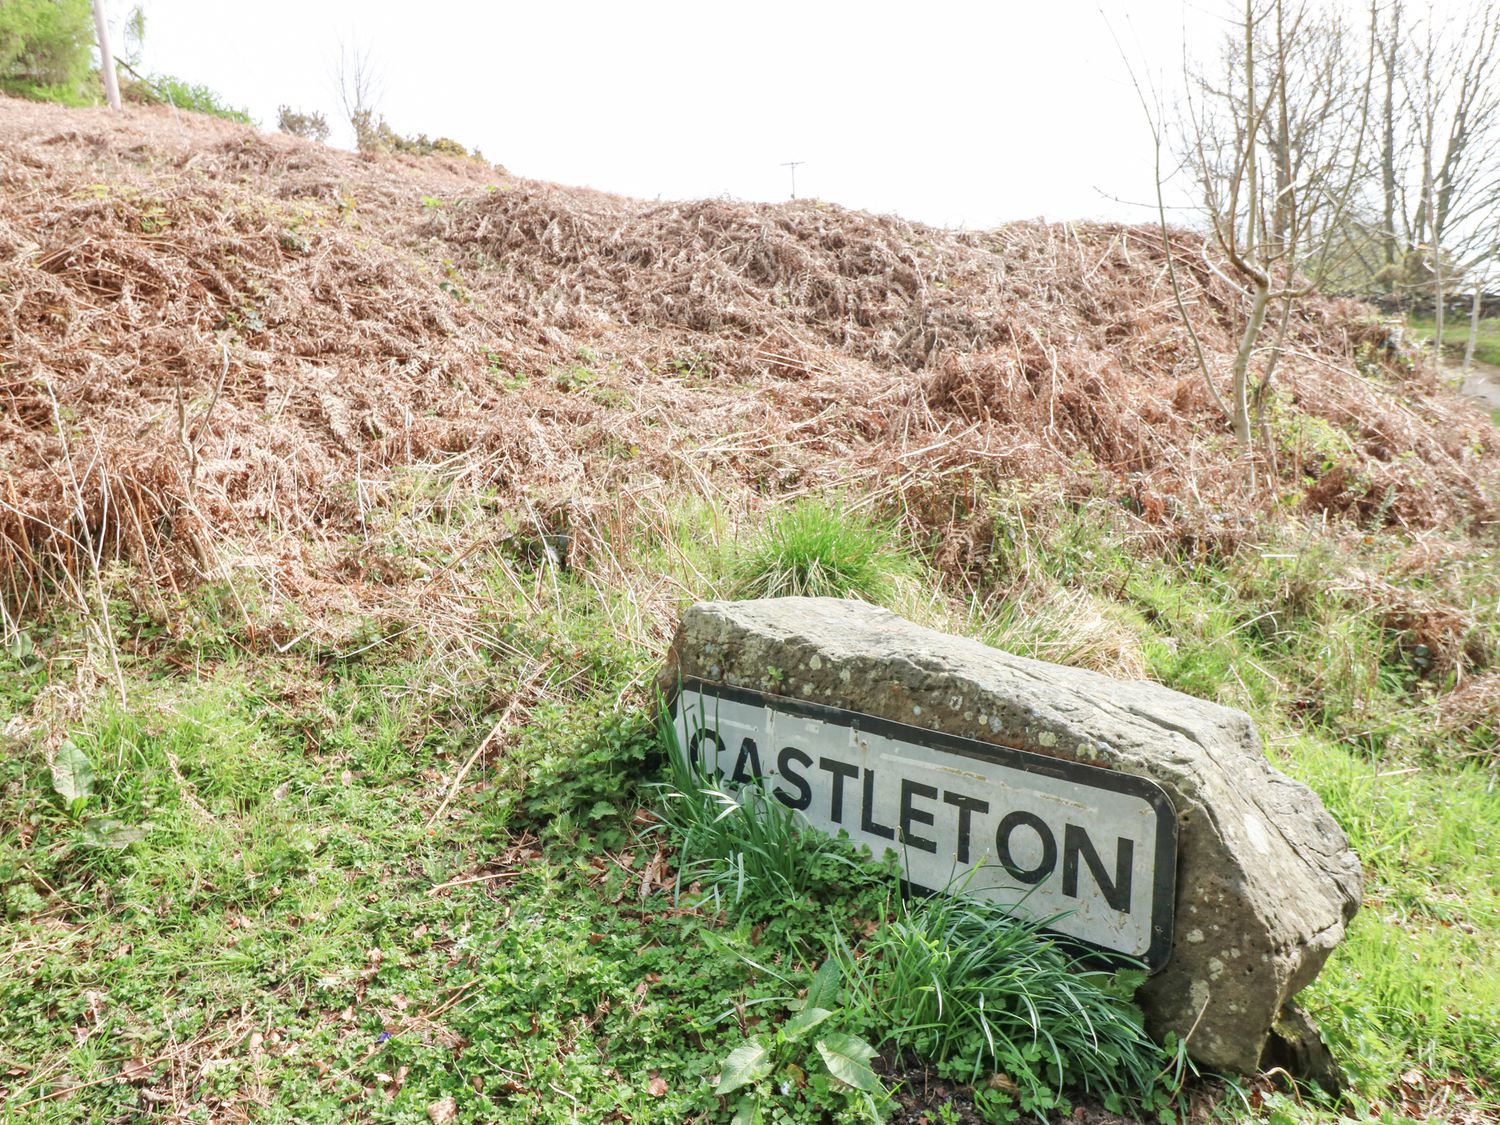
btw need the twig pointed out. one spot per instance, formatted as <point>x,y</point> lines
<point>214,398</point>
<point>491,877</point>
<point>66,1090</point>
<point>94,550</point>
<point>500,725</point>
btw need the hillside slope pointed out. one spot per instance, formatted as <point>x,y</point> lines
<point>211,335</point>
<point>346,507</point>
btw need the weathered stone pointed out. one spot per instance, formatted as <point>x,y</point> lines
<point>1266,881</point>
<point>1297,1047</point>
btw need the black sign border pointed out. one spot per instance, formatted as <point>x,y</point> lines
<point>1164,883</point>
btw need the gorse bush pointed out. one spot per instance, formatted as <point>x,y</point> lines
<point>46,50</point>
<point>967,985</point>
<point>373,133</point>
<point>310,126</point>
<point>812,548</point>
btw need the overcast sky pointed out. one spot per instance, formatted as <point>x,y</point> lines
<point>961,114</point>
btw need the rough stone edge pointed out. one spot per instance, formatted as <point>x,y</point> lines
<point>1203,711</point>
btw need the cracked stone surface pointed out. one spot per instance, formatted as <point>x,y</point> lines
<point>1266,881</point>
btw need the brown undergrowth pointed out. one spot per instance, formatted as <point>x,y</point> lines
<point>223,351</point>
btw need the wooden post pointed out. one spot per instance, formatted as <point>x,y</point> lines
<point>106,58</point>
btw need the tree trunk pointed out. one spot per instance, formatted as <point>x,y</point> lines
<point>106,58</point>
<point>1436,250</point>
<point>1388,153</point>
<point>1242,422</point>
<point>1473,327</point>
<point>1437,298</point>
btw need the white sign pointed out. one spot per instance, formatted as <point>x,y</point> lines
<point>1091,848</point>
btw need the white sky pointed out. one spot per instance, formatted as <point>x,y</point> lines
<point>952,113</point>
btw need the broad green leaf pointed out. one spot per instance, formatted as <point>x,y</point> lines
<point>848,1060</point>
<point>823,992</point>
<point>747,1113</point>
<point>747,1063</point>
<point>803,1022</point>
<point>72,776</point>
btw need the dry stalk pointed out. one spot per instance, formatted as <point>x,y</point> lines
<point>500,726</point>
<point>739,353</point>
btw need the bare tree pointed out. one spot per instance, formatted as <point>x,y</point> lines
<point>1452,88</point>
<point>1387,43</point>
<point>358,83</point>
<point>1275,139</point>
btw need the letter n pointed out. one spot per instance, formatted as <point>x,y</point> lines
<point>1116,891</point>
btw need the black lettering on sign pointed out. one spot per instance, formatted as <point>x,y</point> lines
<point>867,811</point>
<point>1076,843</point>
<point>840,770</point>
<point>789,755</point>
<point>967,807</point>
<point>1009,824</point>
<point>1011,812</point>
<point>695,744</point>
<point>749,756</point>
<point>910,813</point>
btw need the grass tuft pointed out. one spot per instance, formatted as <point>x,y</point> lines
<point>748,852</point>
<point>813,548</point>
<point>967,985</point>
<point>1073,627</point>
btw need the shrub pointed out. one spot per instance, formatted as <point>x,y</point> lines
<point>310,126</point>
<point>373,133</point>
<point>166,89</point>
<point>814,549</point>
<point>46,50</point>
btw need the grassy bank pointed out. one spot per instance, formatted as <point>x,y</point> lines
<point>272,888</point>
<point>1456,335</point>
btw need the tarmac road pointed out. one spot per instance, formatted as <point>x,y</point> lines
<point>1483,383</point>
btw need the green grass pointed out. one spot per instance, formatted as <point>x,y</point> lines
<point>250,908</point>
<point>819,548</point>
<point>1417,981</point>
<point>1456,334</point>
<point>285,915</point>
<point>1291,632</point>
<point>973,989</point>
<point>750,854</point>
